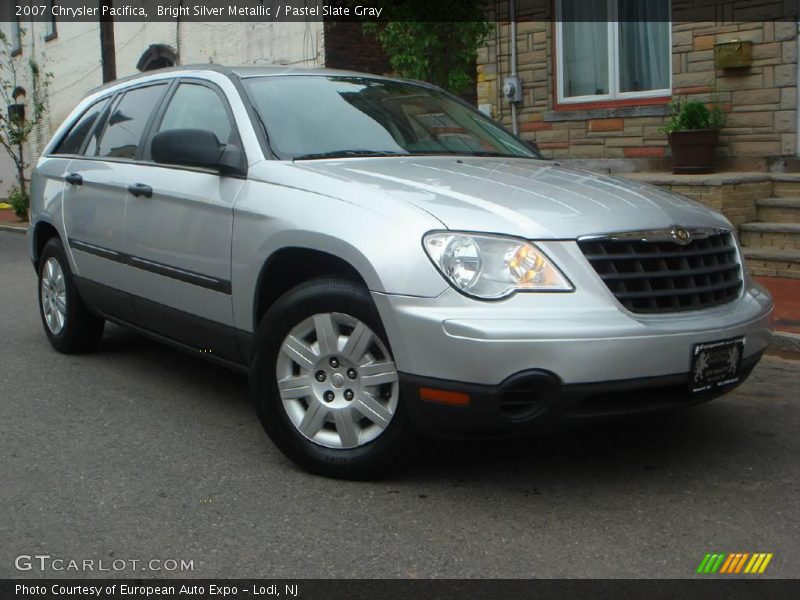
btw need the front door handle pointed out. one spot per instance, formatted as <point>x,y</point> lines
<point>74,179</point>
<point>140,189</point>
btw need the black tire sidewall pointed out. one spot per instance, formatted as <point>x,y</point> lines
<point>314,297</point>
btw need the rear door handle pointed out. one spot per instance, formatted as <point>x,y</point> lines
<point>140,189</point>
<point>74,179</point>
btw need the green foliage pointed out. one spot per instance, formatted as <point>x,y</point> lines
<point>441,51</point>
<point>694,114</point>
<point>20,201</point>
<point>15,133</point>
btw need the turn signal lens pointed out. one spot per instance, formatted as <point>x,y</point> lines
<point>444,396</point>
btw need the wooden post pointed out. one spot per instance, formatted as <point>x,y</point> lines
<point>108,53</point>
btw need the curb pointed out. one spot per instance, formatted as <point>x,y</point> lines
<point>23,229</point>
<point>786,342</point>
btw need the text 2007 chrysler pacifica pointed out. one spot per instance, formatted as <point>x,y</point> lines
<point>383,260</point>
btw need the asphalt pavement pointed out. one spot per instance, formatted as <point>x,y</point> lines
<point>139,452</point>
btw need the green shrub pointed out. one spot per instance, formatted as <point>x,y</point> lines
<point>19,201</point>
<point>694,114</point>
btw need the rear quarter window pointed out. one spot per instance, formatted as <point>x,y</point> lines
<point>73,141</point>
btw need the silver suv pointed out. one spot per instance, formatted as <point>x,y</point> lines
<point>382,259</point>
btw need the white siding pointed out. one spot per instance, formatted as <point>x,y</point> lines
<point>74,57</point>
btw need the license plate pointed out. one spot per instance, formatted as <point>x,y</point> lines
<point>715,364</point>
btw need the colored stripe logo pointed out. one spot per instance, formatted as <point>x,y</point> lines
<point>735,563</point>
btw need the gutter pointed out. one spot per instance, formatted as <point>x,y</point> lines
<point>512,9</point>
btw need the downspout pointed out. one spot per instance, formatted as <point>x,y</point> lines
<point>512,9</point>
<point>178,34</point>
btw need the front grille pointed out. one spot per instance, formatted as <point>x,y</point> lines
<point>663,276</point>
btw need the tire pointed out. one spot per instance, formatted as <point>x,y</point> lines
<point>360,438</point>
<point>69,325</point>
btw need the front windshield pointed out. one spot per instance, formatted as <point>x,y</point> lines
<point>313,116</point>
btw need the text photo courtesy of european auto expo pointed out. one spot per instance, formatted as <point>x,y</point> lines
<point>399,299</point>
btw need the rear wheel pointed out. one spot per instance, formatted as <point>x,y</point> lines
<point>69,325</point>
<point>325,384</point>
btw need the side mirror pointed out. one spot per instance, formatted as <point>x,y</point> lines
<point>196,148</point>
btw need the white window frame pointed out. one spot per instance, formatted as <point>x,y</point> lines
<point>16,36</point>
<point>613,63</point>
<point>50,27</point>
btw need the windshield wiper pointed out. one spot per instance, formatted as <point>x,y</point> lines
<point>347,154</point>
<point>481,153</point>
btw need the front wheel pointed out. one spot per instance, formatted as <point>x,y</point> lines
<point>325,384</point>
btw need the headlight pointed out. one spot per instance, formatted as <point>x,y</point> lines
<point>492,266</point>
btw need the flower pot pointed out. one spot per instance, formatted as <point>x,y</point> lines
<point>693,150</point>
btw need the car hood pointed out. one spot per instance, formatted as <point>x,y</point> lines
<point>530,198</point>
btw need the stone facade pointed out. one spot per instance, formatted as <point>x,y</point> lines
<point>760,101</point>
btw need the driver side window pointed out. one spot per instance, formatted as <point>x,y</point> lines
<point>195,106</point>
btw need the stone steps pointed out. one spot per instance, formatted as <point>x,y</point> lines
<point>778,236</point>
<point>779,210</point>
<point>771,245</point>
<point>771,262</point>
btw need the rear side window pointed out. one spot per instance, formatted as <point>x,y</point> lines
<point>127,121</point>
<point>198,107</point>
<point>73,141</point>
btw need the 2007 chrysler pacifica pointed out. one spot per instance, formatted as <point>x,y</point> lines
<point>382,259</point>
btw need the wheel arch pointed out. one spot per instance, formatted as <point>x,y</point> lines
<point>290,266</point>
<point>43,232</point>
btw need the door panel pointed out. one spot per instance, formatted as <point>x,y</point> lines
<point>178,234</point>
<point>96,189</point>
<point>94,217</point>
<point>180,239</point>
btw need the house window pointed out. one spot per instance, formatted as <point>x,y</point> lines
<point>16,37</point>
<point>613,50</point>
<point>50,31</point>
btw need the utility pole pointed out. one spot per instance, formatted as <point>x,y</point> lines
<point>108,53</point>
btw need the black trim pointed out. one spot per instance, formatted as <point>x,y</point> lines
<point>96,250</point>
<point>211,340</point>
<point>192,277</point>
<point>537,401</point>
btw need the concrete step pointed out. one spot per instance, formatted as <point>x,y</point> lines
<point>772,262</point>
<point>783,236</point>
<point>779,210</point>
<point>786,342</point>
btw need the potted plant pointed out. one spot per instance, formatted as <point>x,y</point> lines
<point>693,131</point>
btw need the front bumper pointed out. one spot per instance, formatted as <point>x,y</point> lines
<point>571,356</point>
<point>536,401</point>
<point>580,337</point>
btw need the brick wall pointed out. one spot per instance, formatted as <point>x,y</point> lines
<point>760,101</point>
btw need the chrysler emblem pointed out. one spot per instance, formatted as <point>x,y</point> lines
<point>681,236</point>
